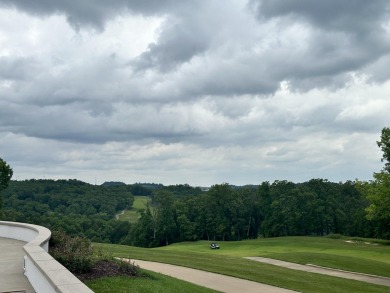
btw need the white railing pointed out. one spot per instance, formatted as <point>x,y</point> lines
<point>45,274</point>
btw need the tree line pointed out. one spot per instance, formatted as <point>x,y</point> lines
<point>282,208</point>
<point>183,213</point>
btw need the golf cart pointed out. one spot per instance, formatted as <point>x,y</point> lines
<point>214,245</point>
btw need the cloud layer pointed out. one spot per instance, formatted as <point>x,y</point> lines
<point>193,92</point>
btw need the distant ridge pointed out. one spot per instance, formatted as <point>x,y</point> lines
<point>113,183</point>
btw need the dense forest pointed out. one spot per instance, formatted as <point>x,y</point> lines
<point>184,213</point>
<point>282,208</point>
<point>76,207</point>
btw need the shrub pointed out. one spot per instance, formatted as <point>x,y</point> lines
<point>86,262</point>
<point>75,253</point>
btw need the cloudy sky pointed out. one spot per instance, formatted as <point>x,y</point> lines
<point>194,91</point>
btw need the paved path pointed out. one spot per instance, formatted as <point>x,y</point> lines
<point>120,214</point>
<point>326,271</point>
<point>213,281</point>
<point>11,266</point>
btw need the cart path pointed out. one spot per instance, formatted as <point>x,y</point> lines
<point>213,281</point>
<point>120,214</point>
<point>378,280</point>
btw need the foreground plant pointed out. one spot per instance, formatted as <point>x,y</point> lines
<point>86,262</point>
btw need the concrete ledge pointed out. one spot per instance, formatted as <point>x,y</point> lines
<point>36,235</point>
<point>45,274</point>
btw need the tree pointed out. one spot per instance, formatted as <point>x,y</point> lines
<point>142,233</point>
<point>220,211</point>
<point>5,176</point>
<point>379,196</point>
<point>377,191</point>
<point>384,144</point>
<point>163,215</point>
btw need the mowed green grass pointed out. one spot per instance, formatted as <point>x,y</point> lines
<point>374,259</point>
<point>363,257</point>
<point>151,282</point>
<point>132,215</point>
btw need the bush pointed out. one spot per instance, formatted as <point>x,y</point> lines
<point>87,263</point>
<point>76,254</point>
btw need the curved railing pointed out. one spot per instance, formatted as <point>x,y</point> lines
<point>45,274</point>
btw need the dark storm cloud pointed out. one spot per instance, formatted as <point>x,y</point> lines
<point>89,12</point>
<point>355,16</point>
<point>345,36</point>
<point>182,37</point>
<point>176,45</point>
<point>189,32</point>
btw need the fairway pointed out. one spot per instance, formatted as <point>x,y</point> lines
<point>365,258</point>
<point>282,245</point>
<point>132,215</point>
<point>361,256</point>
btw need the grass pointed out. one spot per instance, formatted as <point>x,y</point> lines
<point>132,214</point>
<point>374,259</point>
<point>335,253</point>
<point>150,282</point>
<point>354,264</point>
<point>282,245</point>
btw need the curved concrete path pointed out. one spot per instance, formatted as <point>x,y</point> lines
<point>213,281</point>
<point>378,280</point>
<point>12,278</point>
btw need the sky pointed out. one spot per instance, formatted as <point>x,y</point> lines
<point>196,92</point>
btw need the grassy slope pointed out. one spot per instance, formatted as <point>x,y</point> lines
<point>228,260</point>
<point>334,253</point>
<point>132,215</point>
<point>152,282</point>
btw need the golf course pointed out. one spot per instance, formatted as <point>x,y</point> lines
<point>132,215</point>
<point>366,256</point>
